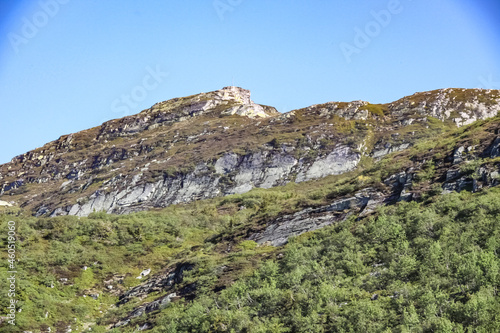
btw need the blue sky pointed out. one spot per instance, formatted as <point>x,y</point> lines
<point>68,65</point>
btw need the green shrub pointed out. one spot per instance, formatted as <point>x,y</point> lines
<point>427,172</point>
<point>248,245</point>
<point>375,109</point>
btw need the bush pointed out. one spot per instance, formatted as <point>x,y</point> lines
<point>375,109</point>
<point>248,245</point>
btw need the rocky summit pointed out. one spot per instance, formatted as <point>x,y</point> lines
<point>220,143</point>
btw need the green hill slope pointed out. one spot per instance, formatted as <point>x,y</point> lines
<point>388,247</point>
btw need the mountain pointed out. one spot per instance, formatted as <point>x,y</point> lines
<point>220,143</point>
<point>211,213</point>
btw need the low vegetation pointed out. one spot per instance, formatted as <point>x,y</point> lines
<point>414,267</point>
<point>375,109</point>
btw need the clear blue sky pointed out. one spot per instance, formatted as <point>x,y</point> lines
<point>68,65</point>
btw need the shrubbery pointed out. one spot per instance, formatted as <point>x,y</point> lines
<point>413,268</point>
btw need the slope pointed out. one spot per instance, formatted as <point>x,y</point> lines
<point>221,143</point>
<point>377,263</point>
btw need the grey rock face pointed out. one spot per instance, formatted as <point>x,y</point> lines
<point>399,188</point>
<point>377,154</point>
<point>458,155</point>
<point>161,282</point>
<point>339,161</point>
<point>132,197</point>
<point>278,233</point>
<point>262,169</point>
<point>230,174</point>
<point>494,150</point>
<point>457,180</point>
<point>400,184</point>
<point>361,204</point>
<point>458,185</point>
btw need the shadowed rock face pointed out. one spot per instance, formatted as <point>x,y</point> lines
<point>278,232</point>
<point>220,143</point>
<point>161,282</point>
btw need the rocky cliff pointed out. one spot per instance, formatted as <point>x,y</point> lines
<point>220,143</point>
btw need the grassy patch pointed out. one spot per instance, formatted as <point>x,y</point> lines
<point>375,109</point>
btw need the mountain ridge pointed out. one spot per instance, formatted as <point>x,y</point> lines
<point>220,143</point>
<point>380,209</point>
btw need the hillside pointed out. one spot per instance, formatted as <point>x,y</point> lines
<point>220,143</point>
<point>211,213</point>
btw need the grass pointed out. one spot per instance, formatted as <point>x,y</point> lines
<point>375,109</point>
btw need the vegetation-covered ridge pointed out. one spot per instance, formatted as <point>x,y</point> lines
<point>430,264</point>
<point>221,143</point>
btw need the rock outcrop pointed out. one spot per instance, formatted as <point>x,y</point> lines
<point>462,172</point>
<point>278,232</point>
<point>233,174</point>
<point>162,282</point>
<point>462,106</point>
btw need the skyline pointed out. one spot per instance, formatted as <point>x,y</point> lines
<point>66,66</point>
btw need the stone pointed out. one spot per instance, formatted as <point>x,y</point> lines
<point>377,154</point>
<point>494,149</point>
<point>260,169</point>
<point>160,282</point>
<point>342,159</point>
<point>137,312</point>
<point>145,326</point>
<point>458,155</point>
<point>452,174</point>
<point>458,185</point>
<point>279,231</point>
<point>146,272</point>
<point>122,323</point>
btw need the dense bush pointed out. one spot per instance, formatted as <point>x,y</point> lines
<point>414,267</point>
<point>410,269</point>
